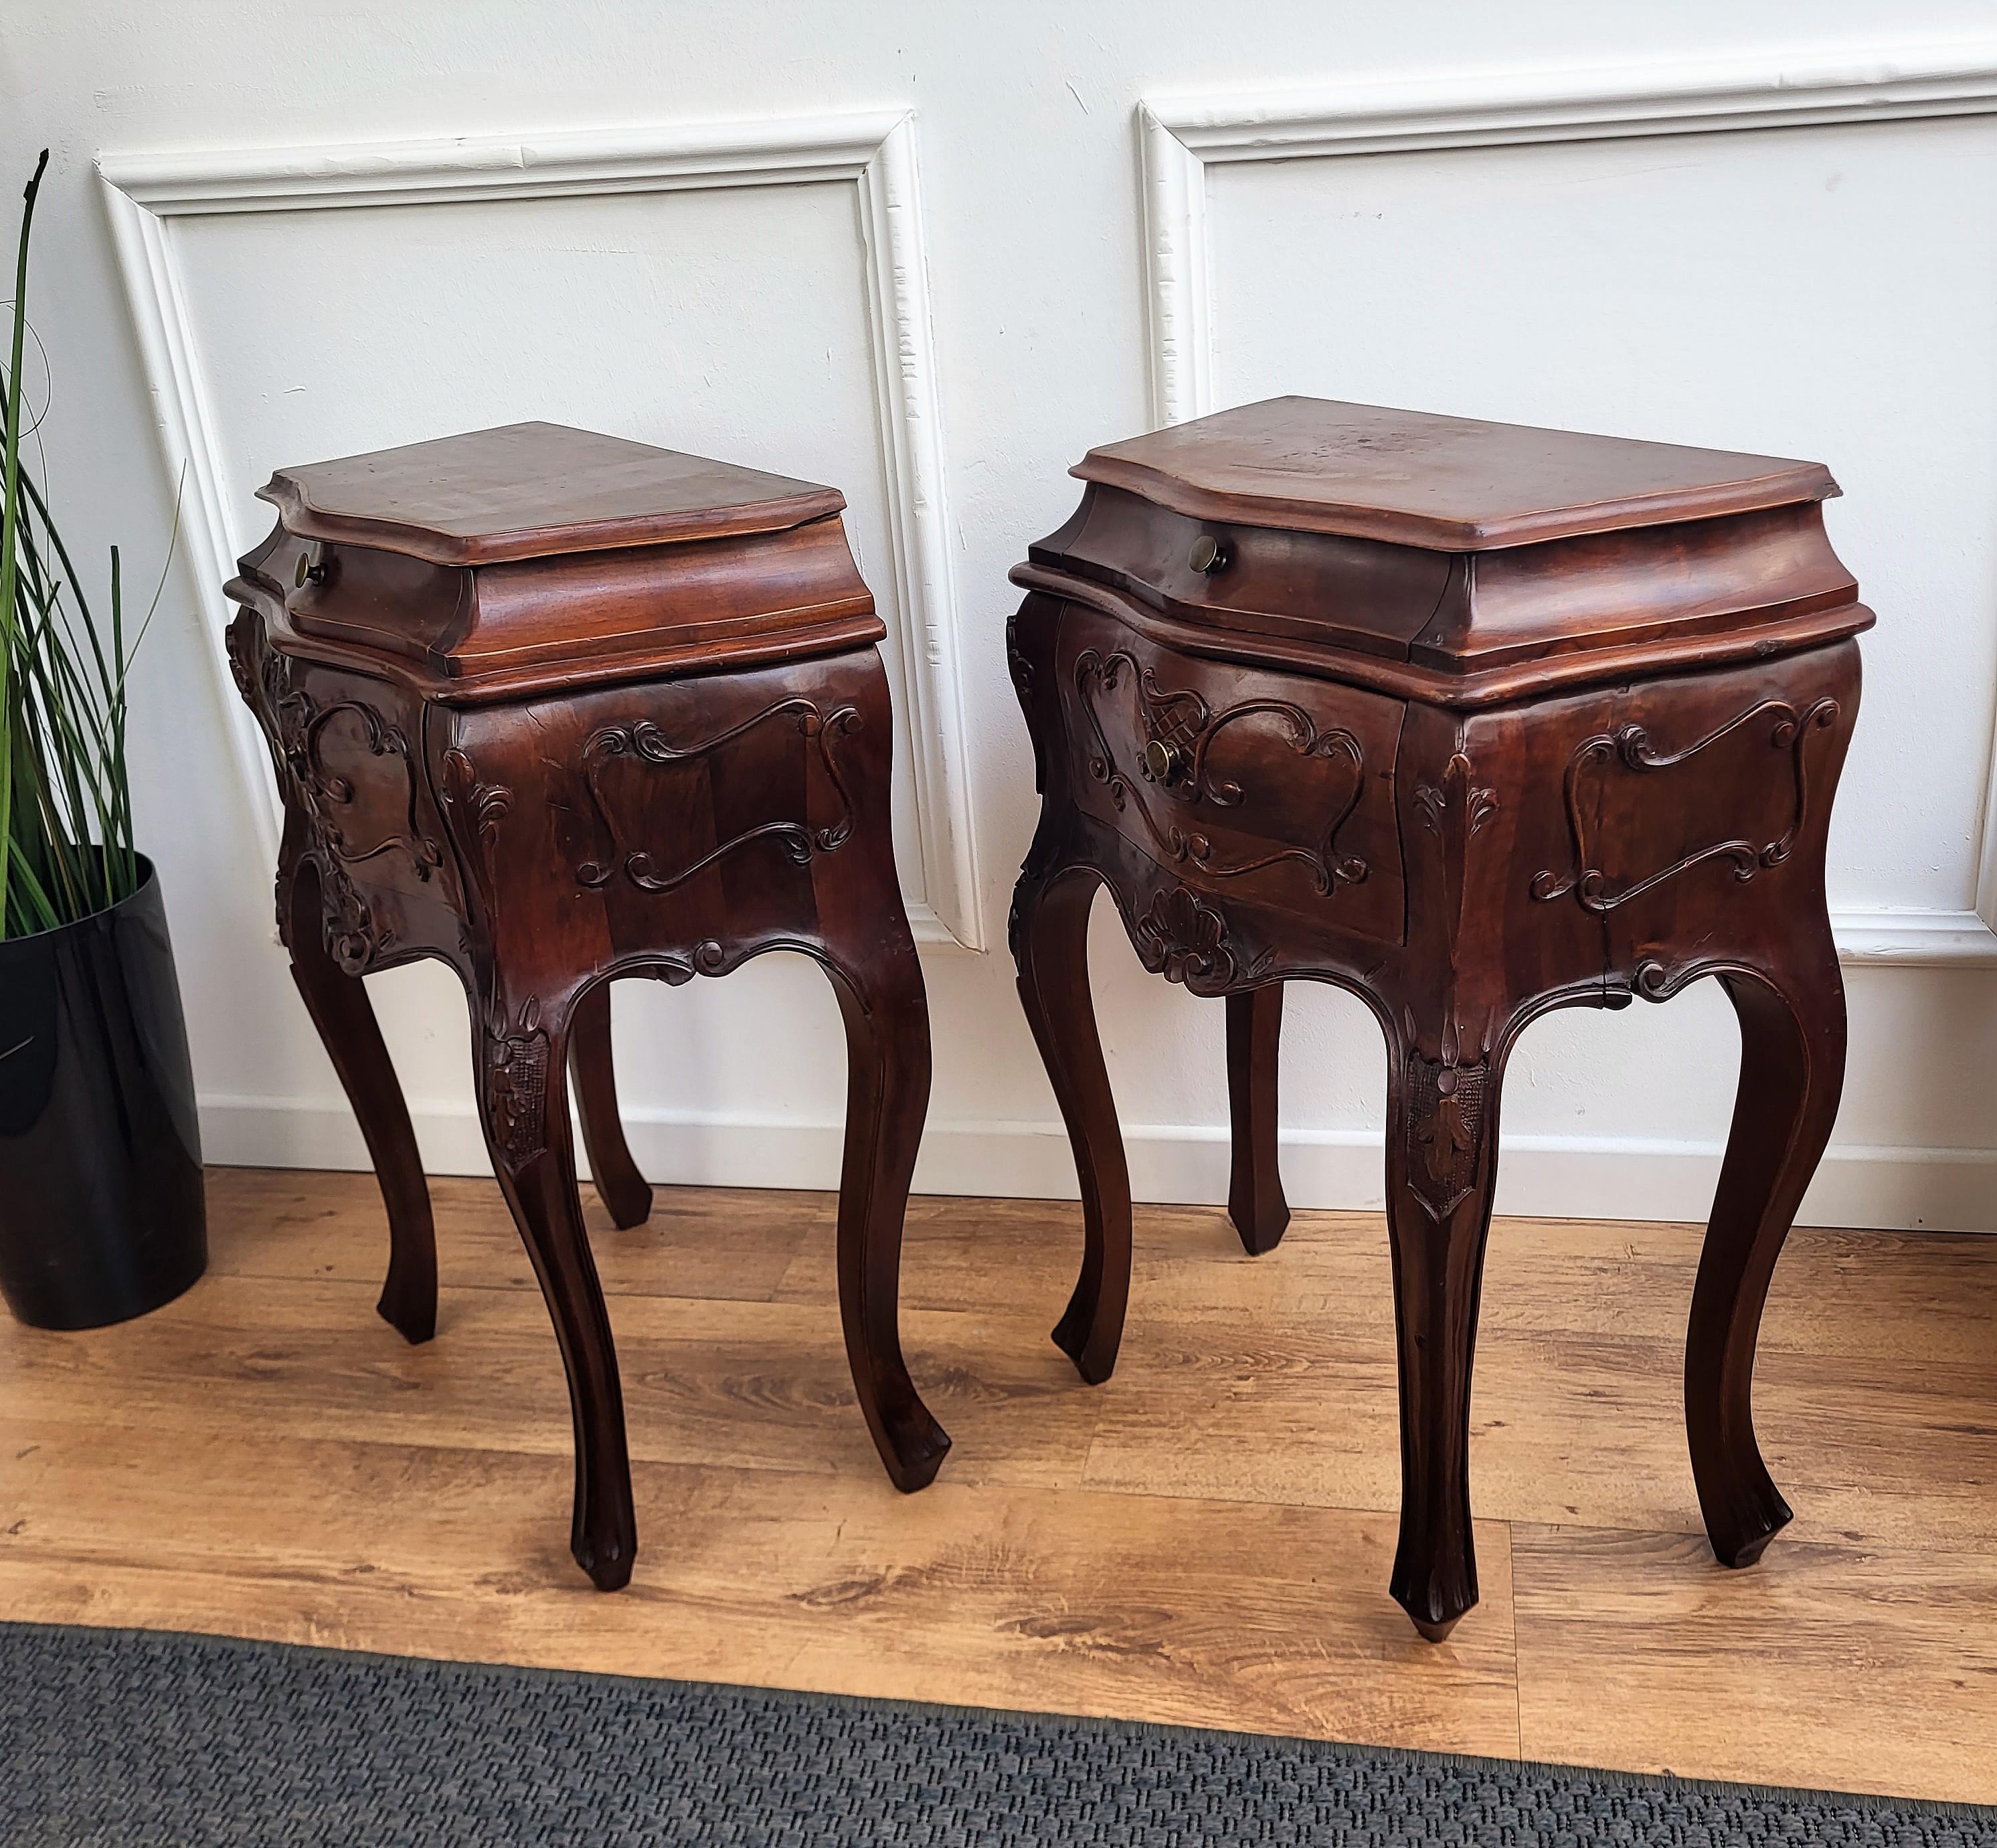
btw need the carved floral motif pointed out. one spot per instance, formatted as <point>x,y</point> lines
<point>1443,1099</point>
<point>644,741</point>
<point>1454,811</point>
<point>1457,808</point>
<point>485,805</point>
<point>1185,939</point>
<point>516,1084</point>
<point>1442,1102</point>
<point>1630,748</point>
<point>1179,730</point>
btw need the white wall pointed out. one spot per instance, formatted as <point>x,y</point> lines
<point>1467,224</point>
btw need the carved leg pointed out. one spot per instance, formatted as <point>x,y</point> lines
<point>1255,1200</point>
<point>879,983</point>
<point>1792,1072</point>
<point>339,1008</point>
<point>1442,1165</point>
<point>523,1053</point>
<point>1050,946</point>
<point>618,1185</point>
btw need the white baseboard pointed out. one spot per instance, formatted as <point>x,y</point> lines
<point>1553,1177</point>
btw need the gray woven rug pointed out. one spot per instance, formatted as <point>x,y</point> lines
<point>117,1737</point>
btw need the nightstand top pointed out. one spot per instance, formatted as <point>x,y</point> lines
<point>1443,483</point>
<point>534,491</point>
<point>536,559</point>
<point>1447,559</point>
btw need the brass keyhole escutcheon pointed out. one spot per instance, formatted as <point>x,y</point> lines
<point>1208,555</point>
<point>308,572</point>
<point>1167,763</point>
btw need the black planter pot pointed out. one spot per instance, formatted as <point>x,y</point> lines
<point>102,1215</point>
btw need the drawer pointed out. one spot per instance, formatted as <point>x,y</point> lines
<point>355,755</point>
<point>1274,786</point>
<point>1336,593</point>
<point>351,747</point>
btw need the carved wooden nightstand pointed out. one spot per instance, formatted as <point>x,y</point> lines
<point>554,708</point>
<point>1477,721</point>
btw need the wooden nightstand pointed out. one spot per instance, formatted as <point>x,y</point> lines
<point>555,708</point>
<point>1475,721</point>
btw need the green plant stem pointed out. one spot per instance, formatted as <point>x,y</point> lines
<point>66,834</point>
<point>10,516</point>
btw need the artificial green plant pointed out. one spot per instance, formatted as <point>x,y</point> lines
<point>65,792</point>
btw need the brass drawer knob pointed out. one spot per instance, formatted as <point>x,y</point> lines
<point>309,573</point>
<point>1208,555</point>
<point>1166,762</point>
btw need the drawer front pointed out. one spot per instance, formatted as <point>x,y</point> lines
<point>1333,592</point>
<point>1274,787</point>
<point>1688,810</point>
<point>352,751</point>
<point>724,806</point>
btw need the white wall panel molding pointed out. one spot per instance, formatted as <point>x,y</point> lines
<point>147,194</point>
<point>1180,137</point>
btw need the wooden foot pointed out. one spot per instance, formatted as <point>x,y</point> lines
<point>1050,947</point>
<point>1255,1201</point>
<point>623,1191</point>
<point>340,1010</point>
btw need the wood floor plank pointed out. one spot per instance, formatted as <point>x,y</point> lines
<point>1837,1667</point>
<point>699,1242</point>
<point>1205,1538</point>
<point>1253,1616</point>
<point>1585,1428</point>
<point>755,1384</point>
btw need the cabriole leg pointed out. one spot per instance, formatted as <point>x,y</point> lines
<point>623,1191</point>
<point>1442,1167</point>
<point>1791,1074</point>
<point>1255,1201</point>
<point>340,1010</point>
<point>523,1047</point>
<point>1050,947</point>
<point>879,983</point>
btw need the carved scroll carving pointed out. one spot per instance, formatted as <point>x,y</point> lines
<point>1454,811</point>
<point>302,723</point>
<point>1180,730</point>
<point>295,722</point>
<point>484,805</point>
<point>709,957</point>
<point>1022,669</point>
<point>643,740</point>
<point>1630,747</point>
<point>1185,939</point>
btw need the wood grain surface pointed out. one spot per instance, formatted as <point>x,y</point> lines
<point>1204,1539</point>
<point>1455,483</point>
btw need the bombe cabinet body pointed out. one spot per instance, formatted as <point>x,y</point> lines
<point>1475,721</point>
<point>555,708</point>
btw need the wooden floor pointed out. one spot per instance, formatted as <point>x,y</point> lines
<point>1206,1539</point>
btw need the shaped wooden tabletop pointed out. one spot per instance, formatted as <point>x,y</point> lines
<point>535,490</point>
<point>1446,484</point>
